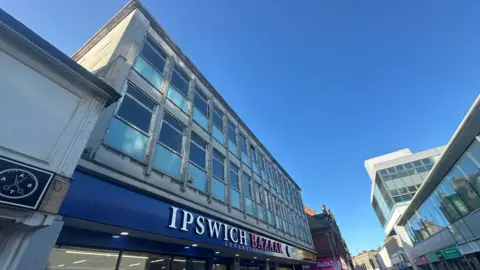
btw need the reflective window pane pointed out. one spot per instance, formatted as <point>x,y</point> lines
<point>179,263</point>
<point>77,258</point>
<point>218,118</point>
<point>236,198</point>
<point>154,54</point>
<point>218,169</point>
<point>201,101</point>
<point>218,189</point>
<point>234,176</point>
<point>231,132</point>
<point>135,114</point>
<point>180,80</point>
<point>126,139</point>
<point>247,186</point>
<point>171,137</point>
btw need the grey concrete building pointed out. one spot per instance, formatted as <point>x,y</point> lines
<point>48,106</point>
<point>395,179</point>
<point>441,225</point>
<point>171,177</point>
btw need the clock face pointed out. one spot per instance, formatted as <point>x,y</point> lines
<point>17,183</point>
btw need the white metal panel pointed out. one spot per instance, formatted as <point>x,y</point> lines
<point>34,110</point>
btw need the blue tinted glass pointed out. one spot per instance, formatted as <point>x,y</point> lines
<point>236,199</point>
<point>260,212</point>
<point>173,122</point>
<point>247,186</point>
<point>417,163</point>
<point>383,172</point>
<point>135,114</point>
<point>194,137</point>
<point>218,118</point>
<point>181,83</point>
<point>197,155</point>
<point>232,147</point>
<point>231,132</point>
<point>177,98</point>
<point>408,165</point>
<point>171,137</point>
<point>126,139</point>
<point>200,118</point>
<point>218,135</point>
<point>218,189</point>
<point>426,161</point>
<point>245,159</point>
<point>199,177</point>
<point>167,162</point>
<point>255,168</point>
<point>234,177</point>
<point>154,58</point>
<point>243,143</point>
<point>218,169</point>
<point>200,102</point>
<point>140,97</point>
<point>148,72</point>
<point>249,206</point>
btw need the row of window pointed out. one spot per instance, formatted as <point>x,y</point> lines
<point>178,93</point>
<point>457,195</point>
<point>132,128</point>
<point>406,166</point>
<point>407,172</point>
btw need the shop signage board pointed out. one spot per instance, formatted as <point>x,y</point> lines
<point>328,264</point>
<point>22,185</point>
<point>448,253</point>
<point>118,206</point>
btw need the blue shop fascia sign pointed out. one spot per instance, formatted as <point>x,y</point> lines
<point>92,199</point>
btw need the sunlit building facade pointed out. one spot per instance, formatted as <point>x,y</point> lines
<point>171,177</point>
<point>442,222</point>
<point>395,179</point>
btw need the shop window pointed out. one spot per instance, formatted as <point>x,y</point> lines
<point>179,263</point>
<point>178,88</point>
<point>243,148</point>
<point>201,109</point>
<point>218,125</point>
<point>197,166</point>
<point>232,139</point>
<point>150,64</point>
<point>169,151</point>
<point>197,265</point>
<point>134,261</point>
<point>129,130</point>
<point>76,258</point>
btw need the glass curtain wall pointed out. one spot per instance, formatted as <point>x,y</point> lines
<point>456,196</point>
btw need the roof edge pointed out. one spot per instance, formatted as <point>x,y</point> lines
<point>462,138</point>
<point>20,33</point>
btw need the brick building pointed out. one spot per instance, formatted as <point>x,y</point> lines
<point>327,238</point>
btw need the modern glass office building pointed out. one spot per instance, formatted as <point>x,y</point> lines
<point>442,223</point>
<point>395,180</point>
<point>171,177</point>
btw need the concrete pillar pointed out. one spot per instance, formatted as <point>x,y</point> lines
<point>28,244</point>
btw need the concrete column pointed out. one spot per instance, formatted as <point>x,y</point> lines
<point>28,244</point>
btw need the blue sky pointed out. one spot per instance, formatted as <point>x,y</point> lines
<point>323,84</point>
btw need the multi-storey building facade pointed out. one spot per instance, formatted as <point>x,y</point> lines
<point>441,226</point>
<point>171,176</point>
<point>395,179</point>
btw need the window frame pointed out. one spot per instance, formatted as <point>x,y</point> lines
<point>155,104</point>
<point>181,77</point>
<point>207,100</point>
<point>206,151</point>
<point>183,134</point>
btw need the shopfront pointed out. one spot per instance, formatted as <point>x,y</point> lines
<point>107,226</point>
